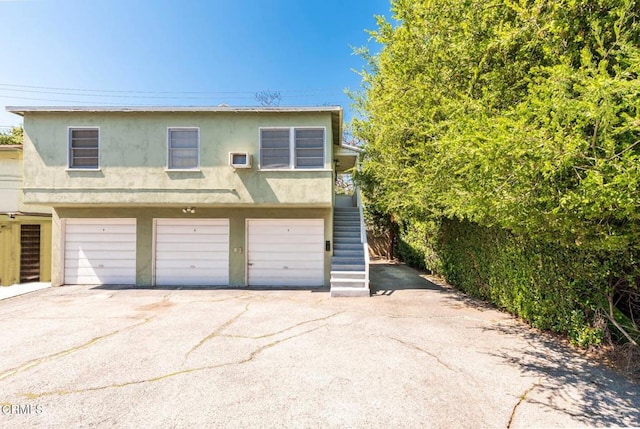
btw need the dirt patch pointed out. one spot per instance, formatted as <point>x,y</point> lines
<point>160,305</point>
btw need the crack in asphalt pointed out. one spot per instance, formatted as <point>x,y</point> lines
<point>413,346</point>
<point>259,337</point>
<point>40,360</point>
<point>217,331</point>
<point>523,397</point>
<point>251,357</point>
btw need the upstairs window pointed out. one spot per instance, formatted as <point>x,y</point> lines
<point>184,149</point>
<point>84,148</point>
<point>309,147</point>
<point>292,148</point>
<point>275,148</point>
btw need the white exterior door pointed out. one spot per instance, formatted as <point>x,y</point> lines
<point>99,251</point>
<point>285,252</point>
<point>192,252</point>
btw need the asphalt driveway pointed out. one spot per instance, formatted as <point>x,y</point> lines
<point>414,355</point>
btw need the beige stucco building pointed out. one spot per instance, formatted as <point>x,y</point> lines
<point>192,196</point>
<point>25,230</point>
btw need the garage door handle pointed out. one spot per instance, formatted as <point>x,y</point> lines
<point>249,263</point>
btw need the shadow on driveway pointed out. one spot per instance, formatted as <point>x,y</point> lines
<point>386,278</point>
<point>562,372</point>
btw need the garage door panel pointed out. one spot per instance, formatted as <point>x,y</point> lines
<point>286,252</point>
<point>100,251</point>
<point>311,248</point>
<point>179,229</point>
<point>300,232</point>
<point>98,280</point>
<point>100,228</point>
<point>291,280</point>
<point>286,265</point>
<point>90,238</point>
<point>287,258</point>
<point>101,272</point>
<point>170,278</point>
<point>277,274</point>
<point>284,223</point>
<point>192,252</point>
<point>190,264</point>
<point>195,272</point>
<point>100,246</point>
<point>115,253</point>
<point>181,256</point>
<point>99,263</point>
<point>193,239</point>
<point>191,248</point>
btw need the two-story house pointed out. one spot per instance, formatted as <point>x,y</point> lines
<point>25,230</point>
<point>196,196</point>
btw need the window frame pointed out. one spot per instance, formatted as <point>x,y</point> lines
<point>70,157</point>
<point>292,149</point>
<point>182,128</point>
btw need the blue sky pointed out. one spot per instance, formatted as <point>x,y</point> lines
<point>180,52</point>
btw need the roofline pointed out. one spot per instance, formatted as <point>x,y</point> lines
<point>336,111</point>
<point>21,110</point>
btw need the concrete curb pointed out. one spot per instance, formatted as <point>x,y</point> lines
<point>21,289</point>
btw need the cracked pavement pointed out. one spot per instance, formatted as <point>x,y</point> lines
<point>416,354</point>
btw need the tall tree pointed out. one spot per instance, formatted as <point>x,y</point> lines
<point>522,114</point>
<point>14,136</point>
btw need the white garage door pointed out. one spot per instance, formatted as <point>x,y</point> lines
<point>285,252</point>
<point>192,252</point>
<point>100,251</point>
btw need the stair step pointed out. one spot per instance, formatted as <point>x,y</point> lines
<point>348,274</point>
<point>346,260</point>
<point>354,283</point>
<point>347,239</point>
<point>346,228</point>
<point>347,267</point>
<point>359,253</point>
<point>352,241</point>
<point>341,291</point>
<point>341,245</point>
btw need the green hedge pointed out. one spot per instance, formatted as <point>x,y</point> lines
<point>552,287</point>
<point>416,245</point>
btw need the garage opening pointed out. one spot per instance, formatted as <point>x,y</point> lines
<point>285,252</point>
<point>191,252</point>
<point>100,251</point>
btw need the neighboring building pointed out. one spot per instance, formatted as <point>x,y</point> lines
<point>195,196</point>
<point>25,231</point>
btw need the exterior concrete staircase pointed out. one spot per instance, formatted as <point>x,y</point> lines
<point>349,264</point>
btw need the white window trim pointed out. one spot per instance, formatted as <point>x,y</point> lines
<point>81,127</point>
<point>292,148</point>
<point>197,167</point>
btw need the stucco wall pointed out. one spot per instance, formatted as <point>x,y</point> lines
<point>133,161</point>
<point>10,180</point>
<point>144,220</point>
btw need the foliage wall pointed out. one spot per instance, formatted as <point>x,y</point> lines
<point>519,116</point>
<point>13,137</point>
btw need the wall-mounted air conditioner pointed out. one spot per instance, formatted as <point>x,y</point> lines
<point>240,159</point>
